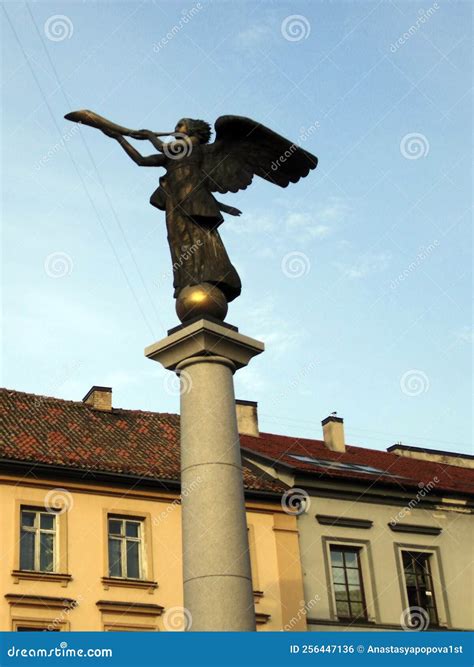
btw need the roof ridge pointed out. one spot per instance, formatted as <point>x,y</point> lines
<point>42,396</point>
<point>289,437</point>
<point>81,404</point>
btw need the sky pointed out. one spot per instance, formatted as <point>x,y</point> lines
<point>357,278</point>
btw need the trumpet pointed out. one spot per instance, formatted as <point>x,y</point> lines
<point>93,119</point>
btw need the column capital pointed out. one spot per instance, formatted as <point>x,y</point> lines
<point>204,338</point>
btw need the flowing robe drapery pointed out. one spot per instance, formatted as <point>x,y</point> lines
<point>192,219</point>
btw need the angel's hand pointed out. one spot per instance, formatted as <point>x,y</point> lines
<point>231,210</point>
<point>142,134</point>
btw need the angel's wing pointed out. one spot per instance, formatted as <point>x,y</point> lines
<point>243,148</point>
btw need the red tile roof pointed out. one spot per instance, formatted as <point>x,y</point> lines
<point>391,469</point>
<point>52,431</point>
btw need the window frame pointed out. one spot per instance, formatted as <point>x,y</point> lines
<point>253,559</point>
<point>125,627</point>
<point>37,531</point>
<point>21,624</point>
<point>123,539</point>
<point>368,577</point>
<point>342,548</point>
<point>438,579</point>
<point>427,574</point>
<point>23,627</point>
<point>36,500</point>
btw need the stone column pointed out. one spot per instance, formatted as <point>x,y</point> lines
<point>216,563</point>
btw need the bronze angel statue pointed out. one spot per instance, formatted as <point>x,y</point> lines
<point>195,170</point>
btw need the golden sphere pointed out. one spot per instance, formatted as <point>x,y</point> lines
<point>199,301</point>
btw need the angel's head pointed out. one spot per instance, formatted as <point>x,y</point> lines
<point>194,128</point>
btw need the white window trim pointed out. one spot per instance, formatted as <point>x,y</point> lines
<point>365,570</point>
<point>436,577</point>
<point>37,530</point>
<point>142,564</point>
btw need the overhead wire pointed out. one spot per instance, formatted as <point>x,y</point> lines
<point>78,170</point>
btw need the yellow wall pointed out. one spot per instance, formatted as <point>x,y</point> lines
<point>82,534</point>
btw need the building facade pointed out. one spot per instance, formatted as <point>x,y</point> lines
<point>90,522</point>
<point>340,537</point>
<point>386,539</point>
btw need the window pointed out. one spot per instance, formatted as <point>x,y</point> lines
<point>37,540</point>
<point>129,628</point>
<point>32,628</point>
<point>419,582</point>
<point>337,465</point>
<point>347,582</point>
<point>125,548</point>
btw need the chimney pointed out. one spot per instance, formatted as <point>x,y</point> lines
<point>333,433</point>
<point>247,417</point>
<point>100,398</point>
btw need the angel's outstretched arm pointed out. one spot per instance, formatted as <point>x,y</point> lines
<point>231,210</point>
<point>138,158</point>
<point>156,141</point>
<point>151,136</point>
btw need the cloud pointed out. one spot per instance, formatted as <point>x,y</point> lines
<point>266,252</point>
<point>318,223</point>
<point>303,224</point>
<point>249,383</point>
<point>464,334</point>
<point>251,223</point>
<point>278,334</point>
<point>334,211</point>
<point>364,266</point>
<point>253,37</point>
